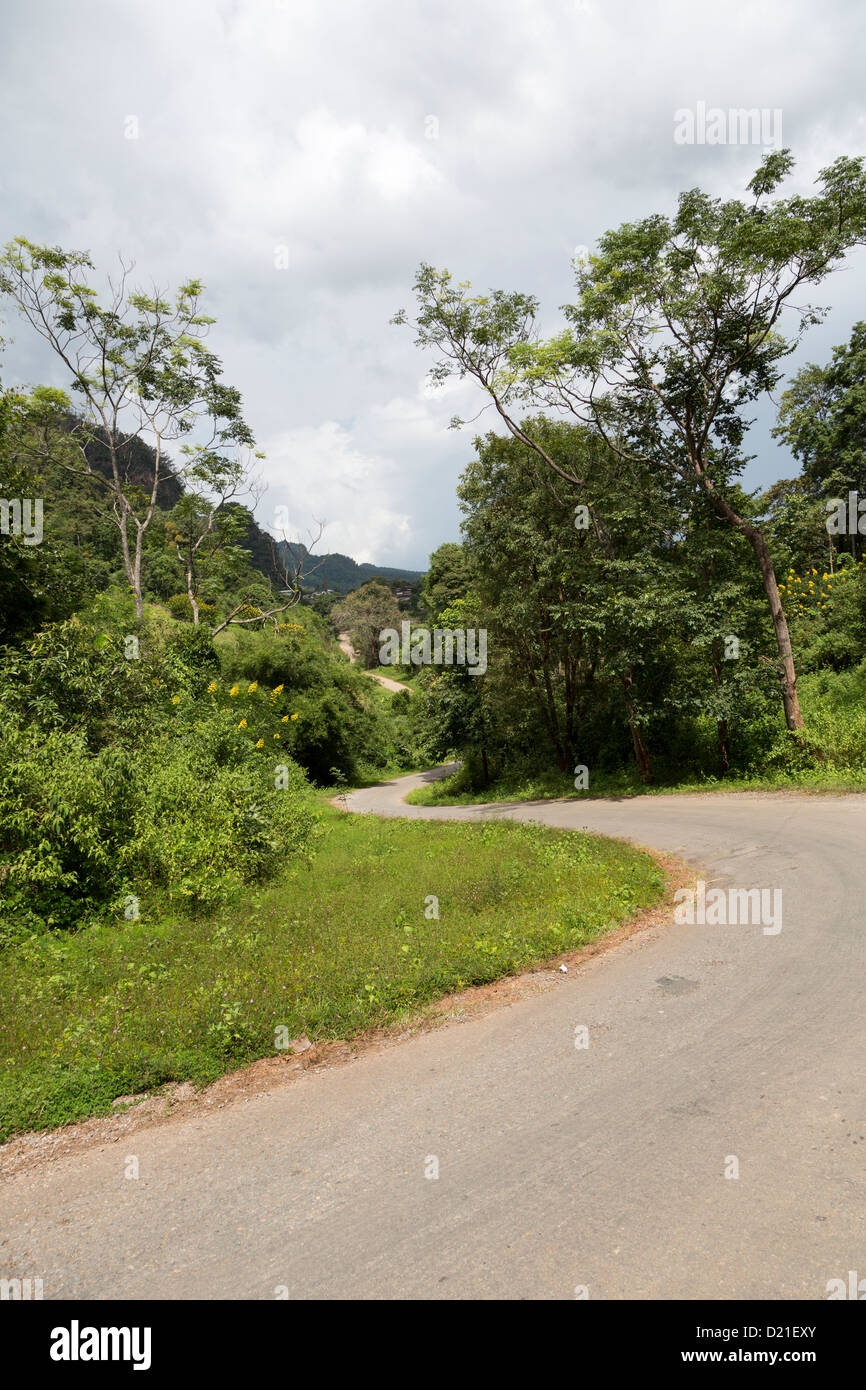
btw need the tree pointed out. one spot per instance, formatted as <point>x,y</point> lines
<point>364,614</point>
<point>287,566</point>
<point>580,617</point>
<point>142,372</point>
<point>677,329</point>
<point>446,580</point>
<point>208,521</point>
<point>454,705</point>
<point>46,581</point>
<point>822,419</point>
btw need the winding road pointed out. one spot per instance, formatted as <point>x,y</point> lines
<point>386,682</point>
<point>559,1168</point>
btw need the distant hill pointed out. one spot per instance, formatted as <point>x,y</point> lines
<point>338,572</point>
<point>341,573</point>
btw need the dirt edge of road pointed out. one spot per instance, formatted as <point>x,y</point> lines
<point>178,1100</point>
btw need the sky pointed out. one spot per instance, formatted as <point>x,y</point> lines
<point>302,157</point>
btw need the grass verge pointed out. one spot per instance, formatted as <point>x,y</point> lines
<point>333,949</point>
<point>552,786</point>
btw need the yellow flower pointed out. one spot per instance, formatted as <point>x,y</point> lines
<point>277,689</point>
<point>243,724</point>
<point>175,699</point>
<point>294,716</point>
<point>234,690</point>
<point>261,743</point>
<point>253,687</point>
<point>276,735</point>
<point>285,719</point>
<point>212,686</point>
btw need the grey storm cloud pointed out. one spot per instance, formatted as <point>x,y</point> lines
<point>303,158</point>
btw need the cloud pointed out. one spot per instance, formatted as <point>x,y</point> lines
<point>320,476</point>
<point>365,139</point>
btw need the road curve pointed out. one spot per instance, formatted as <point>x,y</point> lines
<point>385,681</point>
<point>559,1168</point>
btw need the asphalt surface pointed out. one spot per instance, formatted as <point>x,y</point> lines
<point>559,1168</point>
<point>385,681</point>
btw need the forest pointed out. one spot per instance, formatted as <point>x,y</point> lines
<point>650,622</point>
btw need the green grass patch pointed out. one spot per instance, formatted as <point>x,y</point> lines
<point>551,786</point>
<point>333,948</point>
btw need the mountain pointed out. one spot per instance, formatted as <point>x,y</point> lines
<point>340,572</point>
<point>136,459</point>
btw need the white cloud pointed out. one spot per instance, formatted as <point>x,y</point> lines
<point>321,477</point>
<point>305,124</point>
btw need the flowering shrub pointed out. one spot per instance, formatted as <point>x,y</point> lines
<point>815,589</point>
<point>210,817</point>
<point>293,696</point>
<point>117,774</point>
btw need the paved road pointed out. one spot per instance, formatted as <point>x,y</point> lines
<point>558,1167</point>
<point>386,681</point>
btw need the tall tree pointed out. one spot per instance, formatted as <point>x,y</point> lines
<point>579,614</point>
<point>141,371</point>
<point>208,521</point>
<point>676,331</point>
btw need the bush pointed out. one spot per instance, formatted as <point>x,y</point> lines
<point>66,816</point>
<point>195,816</point>
<point>121,772</point>
<point>288,658</point>
<point>206,823</point>
<point>338,723</point>
<point>834,738</point>
<point>180,607</point>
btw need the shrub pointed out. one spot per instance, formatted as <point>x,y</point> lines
<point>210,816</point>
<point>180,607</point>
<point>66,815</point>
<point>117,773</point>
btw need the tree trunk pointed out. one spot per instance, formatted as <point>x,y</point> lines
<point>721,724</point>
<point>724,759</point>
<point>190,591</point>
<point>130,564</point>
<point>547,707</point>
<point>641,752</point>
<point>136,587</point>
<point>793,717</point>
<point>787,673</point>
